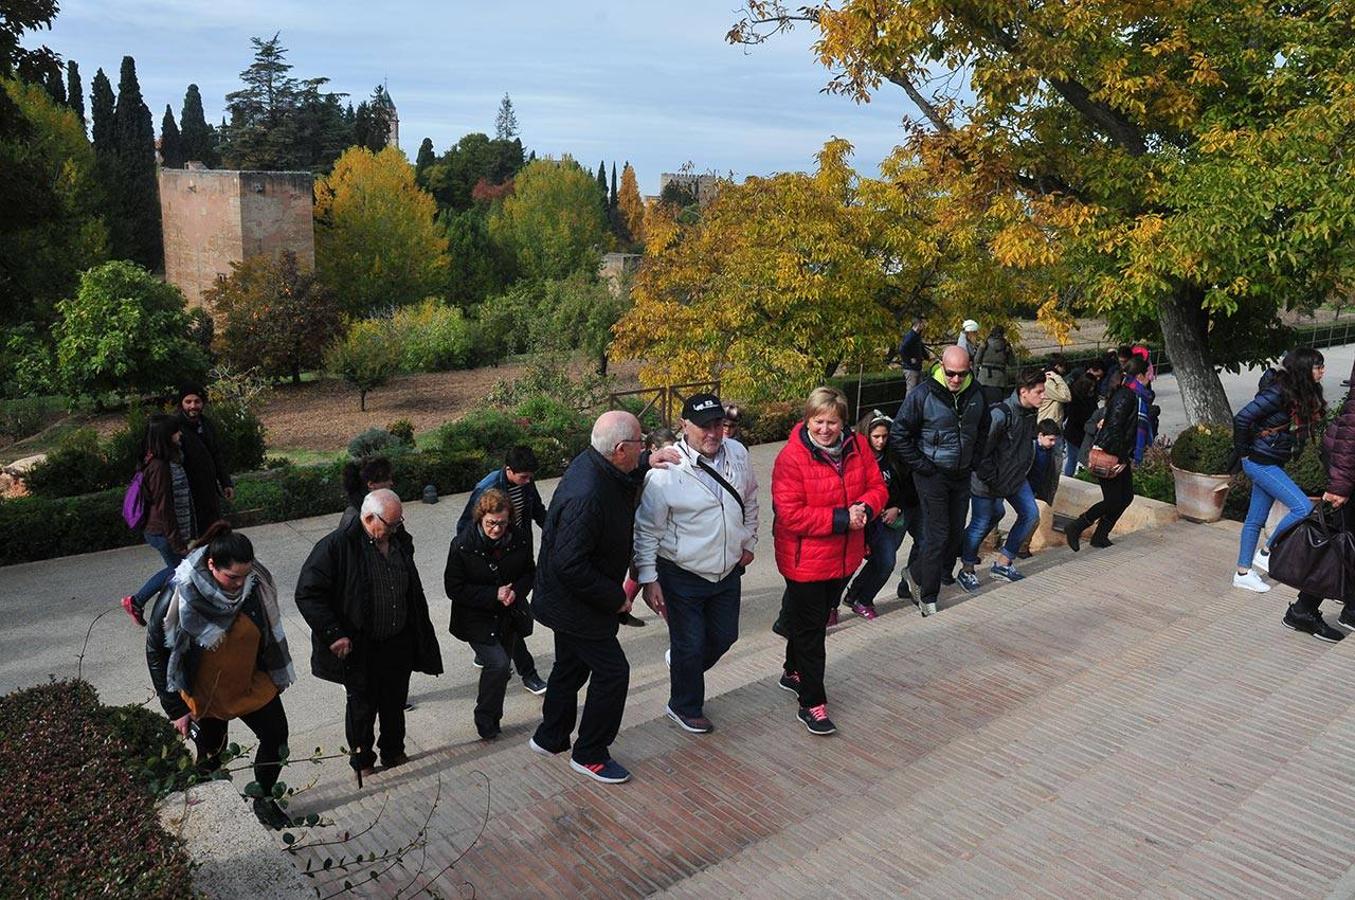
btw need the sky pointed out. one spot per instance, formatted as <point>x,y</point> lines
<point>651,82</point>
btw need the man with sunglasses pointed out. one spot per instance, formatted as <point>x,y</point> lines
<point>939,431</point>
<point>359,591</point>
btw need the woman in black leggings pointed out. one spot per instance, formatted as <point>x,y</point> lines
<point>1119,429</point>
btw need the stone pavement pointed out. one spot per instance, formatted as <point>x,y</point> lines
<point>1121,723</point>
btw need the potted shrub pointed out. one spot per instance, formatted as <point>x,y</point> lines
<point>1200,459</point>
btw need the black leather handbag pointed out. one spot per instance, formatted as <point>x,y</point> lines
<point>1316,554</point>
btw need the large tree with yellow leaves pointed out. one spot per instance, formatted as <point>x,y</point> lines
<point>1181,163</point>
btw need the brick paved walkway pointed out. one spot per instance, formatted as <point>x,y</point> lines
<point>1122,723</point>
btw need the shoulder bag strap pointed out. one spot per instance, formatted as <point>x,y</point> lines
<point>720,479</point>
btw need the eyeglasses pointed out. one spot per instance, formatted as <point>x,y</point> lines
<point>488,523</point>
<point>396,524</point>
<point>949,374</point>
<point>630,441</point>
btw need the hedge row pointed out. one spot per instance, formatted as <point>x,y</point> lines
<point>77,823</point>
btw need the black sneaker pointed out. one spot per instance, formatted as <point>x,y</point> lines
<point>948,578</point>
<point>1312,624</point>
<point>533,684</point>
<point>790,681</point>
<point>477,663</point>
<point>815,719</point>
<point>905,591</point>
<point>267,811</point>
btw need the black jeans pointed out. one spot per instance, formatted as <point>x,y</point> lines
<point>379,691</point>
<point>602,662</point>
<point>1116,495</point>
<point>944,500</point>
<point>269,724</point>
<point>494,677</point>
<point>807,604</point>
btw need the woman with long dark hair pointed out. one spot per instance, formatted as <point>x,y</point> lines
<point>1267,433</point>
<point>360,478</point>
<point>1115,436</point>
<point>217,651</point>
<point>168,501</point>
<point>1078,410</point>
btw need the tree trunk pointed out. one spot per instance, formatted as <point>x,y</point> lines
<point>602,364</point>
<point>296,373</point>
<point>362,401</point>
<point>1185,339</point>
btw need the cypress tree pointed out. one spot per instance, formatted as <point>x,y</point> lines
<point>136,232</point>
<point>602,183</point>
<point>101,111</point>
<point>611,203</point>
<point>54,86</point>
<point>75,91</point>
<point>425,159</point>
<point>197,139</point>
<point>171,142</point>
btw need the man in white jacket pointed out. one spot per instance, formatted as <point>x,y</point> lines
<point>695,532</point>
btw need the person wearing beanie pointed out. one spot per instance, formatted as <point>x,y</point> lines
<point>208,478</point>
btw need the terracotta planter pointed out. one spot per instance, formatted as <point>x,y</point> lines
<point>1200,497</point>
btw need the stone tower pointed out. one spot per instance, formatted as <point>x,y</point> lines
<point>383,97</point>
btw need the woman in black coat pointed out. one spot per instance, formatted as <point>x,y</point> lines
<point>489,572</point>
<point>1116,436</point>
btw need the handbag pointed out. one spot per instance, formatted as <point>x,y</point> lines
<point>1104,465</point>
<point>1315,554</point>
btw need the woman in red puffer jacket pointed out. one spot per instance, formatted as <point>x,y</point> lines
<point>826,487</point>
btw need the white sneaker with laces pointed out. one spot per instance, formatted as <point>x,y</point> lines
<point>1261,560</point>
<point>1250,581</point>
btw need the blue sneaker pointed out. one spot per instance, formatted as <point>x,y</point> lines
<point>609,772</point>
<point>967,580</point>
<point>1008,572</point>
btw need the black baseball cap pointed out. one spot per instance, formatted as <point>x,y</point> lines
<point>702,409</point>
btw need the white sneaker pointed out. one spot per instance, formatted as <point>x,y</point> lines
<point>929,609</point>
<point>1261,560</point>
<point>1250,581</point>
<point>668,658</point>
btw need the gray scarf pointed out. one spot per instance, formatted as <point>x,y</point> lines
<point>201,612</point>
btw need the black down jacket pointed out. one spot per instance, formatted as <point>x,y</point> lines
<point>586,549</point>
<point>334,594</point>
<point>475,572</point>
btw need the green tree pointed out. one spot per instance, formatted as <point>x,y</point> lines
<point>454,175</point>
<point>20,16</point>
<point>55,86</point>
<point>581,311</point>
<point>506,121</point>
<point>260,109</point>
<point>552,221</point>
<point>425,159</point>
<point>272,315</point>
<point>49,174</point>
<point>136,228</point>
<point>630,207</point>
<point>372,121</point>
<point>611,199</point>
<point>366,357</point>
<point>1181,164</point>
<point>102,108</point>
<point>75,91</point>
<point>602,183</point>
<point>171,143</point>
<point>318,130</point>
<point>376,242</point>
<point>125,331</point>
<point>477,266</point>
<point>197,138</point>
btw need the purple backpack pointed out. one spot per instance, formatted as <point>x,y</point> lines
<point>134,504</point>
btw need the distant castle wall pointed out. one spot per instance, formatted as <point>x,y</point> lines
<point>702,187</point>
<point>213,218</point>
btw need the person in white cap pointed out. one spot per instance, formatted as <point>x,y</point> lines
<point>969,337</point>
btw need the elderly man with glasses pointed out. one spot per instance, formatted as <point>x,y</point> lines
<point>939,431</point>
<point>359,591</point>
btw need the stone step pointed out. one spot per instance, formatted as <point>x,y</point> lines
<point>980,750</point>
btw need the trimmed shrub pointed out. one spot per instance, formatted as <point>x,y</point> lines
<point>241,433</point>
<point>403,432</point>
<point>371,442</point>
<point>78,824</point>
<point>769,423</point>
<point>150,748</point>
<point>79,465</point>
<point>42,527</point>
<point>433,337</point>
<point>1207,449</point>
<point>491,431</point>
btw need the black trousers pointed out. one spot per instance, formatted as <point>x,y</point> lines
<point>494,676</point>
<point>602,663</point>
<point>379,691</point>
<point>806,605</point>
<point>944,500</point>
<point>1116,495</point>
<point>269,724</point>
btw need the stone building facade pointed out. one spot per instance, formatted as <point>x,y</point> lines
<point>702,187</point>
<point>214,217</point>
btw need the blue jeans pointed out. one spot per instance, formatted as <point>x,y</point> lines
<point>1071,453</point>
<point>987,512</point>
<point>157,581</point>
<point>884,552</point>
<point>1268,484</point>
<point>703,622</point>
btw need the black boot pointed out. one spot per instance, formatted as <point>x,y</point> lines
<point>1073,532</point>
<point>268,812</point>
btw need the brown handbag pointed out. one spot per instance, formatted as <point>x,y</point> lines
<point>1104,465</point>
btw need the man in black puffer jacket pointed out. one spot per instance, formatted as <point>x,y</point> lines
<point>939,432</point>
<point>585,552</point>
